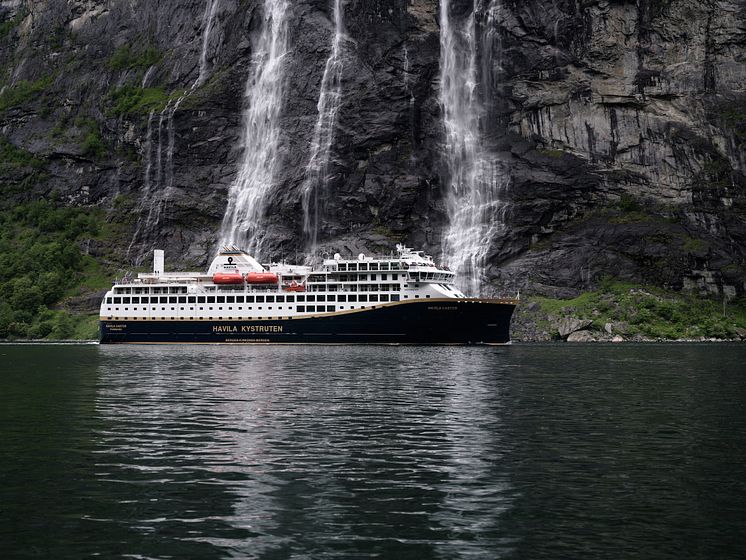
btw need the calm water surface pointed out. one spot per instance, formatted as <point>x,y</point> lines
<point>373,452</point>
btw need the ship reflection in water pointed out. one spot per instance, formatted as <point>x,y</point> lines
<point>372,452</point>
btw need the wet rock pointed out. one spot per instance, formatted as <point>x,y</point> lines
<point>568,325</point>
<point>617,338</point>
<point>581,336</point>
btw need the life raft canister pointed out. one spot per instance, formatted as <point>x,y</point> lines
<point>227,278</point>
<point>261,278</point>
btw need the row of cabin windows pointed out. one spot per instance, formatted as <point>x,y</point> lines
<point>353,277</point>
<point>354,288</point>
<point>316,308</point>
<point>152,290</point>
<point>248,299</point>
<point>342,298</point>
<point>352,267</point>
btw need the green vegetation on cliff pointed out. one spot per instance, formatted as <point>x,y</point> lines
<point>648,312</point>
<point>22,92</point>
<point>41,262</point>
<point>133,100</point>
<point>127,57</point>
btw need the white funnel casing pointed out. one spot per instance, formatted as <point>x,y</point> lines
<point>158,260</point>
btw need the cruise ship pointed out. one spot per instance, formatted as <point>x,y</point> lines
<point>403,298</point>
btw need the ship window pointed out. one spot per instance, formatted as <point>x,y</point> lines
<point>182,299</point>
<point>341,266</point>
<point>171,299</point>
<point>192,299</point>
<point>330,298</point>
<point>201,308</point>
<point>351,298</point>
<point>330,309</point>
<point>427,296</point>
<point>135,300</point>
<point>125,300</point>
<point>341,297</point>
<point>290,299</point>
<point>384,297</point>
<point>384,266</point>
<point>394,276</point>
<point>230,299</point>
<point>211,299</point>
<point>363,297</point>
<point>301,298</point>
<point>221,299</point>
<point>270,299</point>
<point>239,299</point>
<point>249,299</point>
<point>230,308</point>
<point>301,309</point>
<point>280,299</point>
<point>260,299</point>
<point>373,297</point>
<point>117,300</point>
<point>363,266</point>
<point>108,300</point>
<point>373,266</point>
<point>320,298</point>
<point>416,297</point>
<point>311,309</point>
<point>181,308</point>
<point>384,276</point>
<point>352,267</point>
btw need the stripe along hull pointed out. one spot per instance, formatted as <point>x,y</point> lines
<point>458,321</point>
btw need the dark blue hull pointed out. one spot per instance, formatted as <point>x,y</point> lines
<point>463,321</point>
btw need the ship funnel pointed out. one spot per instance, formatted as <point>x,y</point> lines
<point>158,261</point>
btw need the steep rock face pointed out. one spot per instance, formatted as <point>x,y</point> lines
<point>621,125</point>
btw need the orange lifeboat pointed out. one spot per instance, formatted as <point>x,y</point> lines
<point>261,278</point>
<point>294,287</point>
<point>227,278</point>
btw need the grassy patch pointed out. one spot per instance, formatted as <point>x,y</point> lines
<point>9,25</point>
<point>132,100</point>
<point>41,261</point>
<point>127,58</point>
<point>22,92</point>
<point>552,153</point>
<point>650,312</point>
<point>14,159</point>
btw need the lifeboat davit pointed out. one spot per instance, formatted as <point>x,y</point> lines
<point>261,278</point>
<point>227,278</point>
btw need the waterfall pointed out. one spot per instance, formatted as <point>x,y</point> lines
<point>157,193</point>
<point>474,177</point>
<point>249,194</point>
<point>207,20</point>
<point>317,168</point>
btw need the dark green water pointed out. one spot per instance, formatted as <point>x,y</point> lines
<point>382,452</point>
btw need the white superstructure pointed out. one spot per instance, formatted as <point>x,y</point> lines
<point>238,287</point>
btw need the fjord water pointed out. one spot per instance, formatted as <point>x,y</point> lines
<point>373,452</point>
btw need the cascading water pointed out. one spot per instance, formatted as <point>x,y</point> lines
<point>317,169</point>
<point>207,20</point>
<point>157,192</point>
<point>475,177</point>
<point>249,194</point>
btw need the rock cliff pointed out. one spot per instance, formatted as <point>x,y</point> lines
<point>619,126</point>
